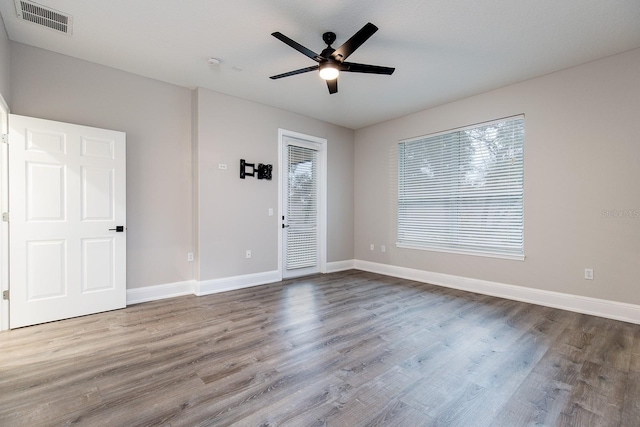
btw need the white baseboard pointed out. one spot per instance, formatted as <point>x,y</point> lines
<point>580,304</point>
<point>194,287</point>
<point>335,266</point>
<point>236,282</point>
<point>156,292</point>
<point>206,287</point>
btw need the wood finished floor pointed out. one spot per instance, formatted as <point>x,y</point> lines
<point>342,349</point>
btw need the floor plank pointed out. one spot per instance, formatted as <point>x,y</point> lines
<point>343,349</point>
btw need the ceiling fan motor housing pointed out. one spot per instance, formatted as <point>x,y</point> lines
<point>326,53</point>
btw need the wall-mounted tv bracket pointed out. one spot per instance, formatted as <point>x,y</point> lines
<point>264,171</point>
<point>243,169</point>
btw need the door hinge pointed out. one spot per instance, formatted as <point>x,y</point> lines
<point>5,216</point>
<point>5,295</point>
<point>5,138</point>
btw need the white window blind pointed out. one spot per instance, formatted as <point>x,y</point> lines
<point>462,191</point>
<point>302,208</point>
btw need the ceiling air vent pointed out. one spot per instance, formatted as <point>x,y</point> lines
<point>45,16</point>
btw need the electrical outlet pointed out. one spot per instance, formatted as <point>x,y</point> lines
<point>222,166</point>
<point>270,211</point>
<point>588,273</point>
<point>372,247</point>
<point>190,257</point>
<point>247,254</point>
<point>383,248</point>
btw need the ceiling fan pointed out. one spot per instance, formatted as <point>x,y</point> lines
<point>332,61</point>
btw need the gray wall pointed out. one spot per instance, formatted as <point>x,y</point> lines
<point>233,212</point>
<point>582,158</point>
<point>5,88</point>
<point>157,119</point>
<point>174,137</point>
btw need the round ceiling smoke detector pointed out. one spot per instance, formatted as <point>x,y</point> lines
<point>213,61</point>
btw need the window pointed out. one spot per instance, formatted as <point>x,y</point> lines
<point>462,191</point>
<point>302,207</point>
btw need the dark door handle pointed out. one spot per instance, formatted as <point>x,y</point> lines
<point>118,229</point>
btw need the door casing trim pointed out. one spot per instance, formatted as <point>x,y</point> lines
<point>4,226</point>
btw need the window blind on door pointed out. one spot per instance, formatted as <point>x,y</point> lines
<point>302,208</point>
<point>462,191</point>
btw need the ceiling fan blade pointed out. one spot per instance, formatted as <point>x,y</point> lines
<point>354,42</point>
<point>297,46</point>
<point>293,73</point>
<point>366,68</point>
<point>332,85</point>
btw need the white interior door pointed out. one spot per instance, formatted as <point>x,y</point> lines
<point>66,204</point>
<point>301,211</point>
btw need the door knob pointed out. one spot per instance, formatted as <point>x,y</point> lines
<point>118,229</point>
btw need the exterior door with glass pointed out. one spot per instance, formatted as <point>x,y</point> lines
<point>301,214</point>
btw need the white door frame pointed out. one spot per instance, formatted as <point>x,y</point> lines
<point>4,207</point>
<point>322,196</point>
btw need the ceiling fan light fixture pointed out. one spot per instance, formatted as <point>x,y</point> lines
<point>330,62</point>
<point>329,72</point>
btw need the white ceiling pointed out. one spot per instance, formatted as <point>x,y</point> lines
<point>442,50</point>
